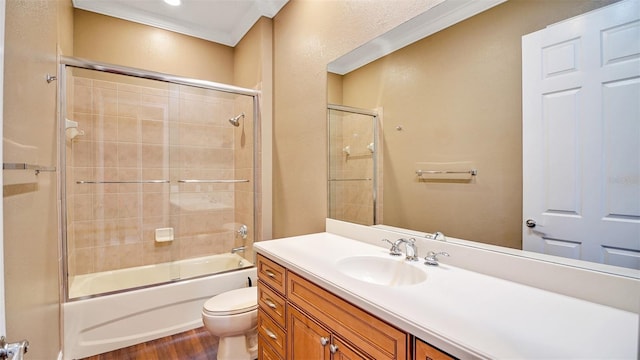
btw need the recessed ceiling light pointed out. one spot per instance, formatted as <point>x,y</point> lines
<point>173,2</point>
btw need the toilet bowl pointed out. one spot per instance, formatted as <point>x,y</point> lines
<point>233,317</point>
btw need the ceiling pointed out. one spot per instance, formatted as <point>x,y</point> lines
<point>443,14</point>
<point>220,21</point>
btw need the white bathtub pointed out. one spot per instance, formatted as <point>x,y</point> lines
<point>99,324</point>
<point>115,280</point>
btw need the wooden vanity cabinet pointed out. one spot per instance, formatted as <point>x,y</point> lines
<point>299,320</point>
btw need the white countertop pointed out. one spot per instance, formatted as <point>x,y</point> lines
<point>467,314</point>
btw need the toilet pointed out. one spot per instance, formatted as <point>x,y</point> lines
<point>233,317</point>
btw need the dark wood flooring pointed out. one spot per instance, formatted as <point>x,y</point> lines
<point>196,344</point>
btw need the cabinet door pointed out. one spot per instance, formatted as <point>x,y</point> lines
<point>307,339</point>
<point>425,351</point>
<point>366,332</point>
<point>342,351</point>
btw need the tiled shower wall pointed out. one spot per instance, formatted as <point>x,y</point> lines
<point>136,131</point>
<point>351,162</point>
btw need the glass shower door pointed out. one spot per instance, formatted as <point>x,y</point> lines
<point>352,180</point>
<point>158,181</point>
<point>117,181</point>
<point>212,174</point>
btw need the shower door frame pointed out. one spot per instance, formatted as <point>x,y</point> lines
<point>375,118</point>
<point>74,62</point>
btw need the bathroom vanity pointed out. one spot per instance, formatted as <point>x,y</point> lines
<point>318,323</point>
<point>330,296</point>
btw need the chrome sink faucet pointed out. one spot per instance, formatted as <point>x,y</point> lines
<point>395,247</point>
<point>410,245</point>
<point>432,258</point>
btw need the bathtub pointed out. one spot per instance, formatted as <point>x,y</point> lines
<point>99,324</point>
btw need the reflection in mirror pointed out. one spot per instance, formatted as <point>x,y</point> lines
<point>455,97</point>
<point>352,144</point>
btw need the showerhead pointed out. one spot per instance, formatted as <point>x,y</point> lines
<point>235,121</point>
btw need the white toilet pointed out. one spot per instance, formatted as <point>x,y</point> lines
<point>233,317</point>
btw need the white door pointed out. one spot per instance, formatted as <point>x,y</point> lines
<point>581,137</point>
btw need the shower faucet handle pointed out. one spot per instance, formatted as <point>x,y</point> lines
<point>432,257</point>
<point>243,231</point>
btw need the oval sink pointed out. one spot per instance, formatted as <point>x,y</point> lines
<point>381,271</point>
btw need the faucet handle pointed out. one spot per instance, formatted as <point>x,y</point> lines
<point>395,248</point>
<point>436,236</point>
<point>412,249</point>
<point>432,257</point>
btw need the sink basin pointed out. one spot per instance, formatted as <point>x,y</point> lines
<point>381,271</point>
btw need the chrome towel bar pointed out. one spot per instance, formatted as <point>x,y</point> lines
<point>213,181</point>
<point>473,172</point>
<point>124,182</point>
<point>362,179</point>
<point>24,166</point>
<point>159,181</point>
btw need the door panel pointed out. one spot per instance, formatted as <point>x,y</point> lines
<point>305,337</point>
<point>581,142</point>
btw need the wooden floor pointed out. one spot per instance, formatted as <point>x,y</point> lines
<point>196,344</point>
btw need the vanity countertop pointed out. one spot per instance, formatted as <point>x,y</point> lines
<point>467,314</point>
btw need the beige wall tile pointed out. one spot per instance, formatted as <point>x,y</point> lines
<point>128,129</point>
<point>154,107</point>
<point>128,155</point>
<point>105,101</point>
<point>154,132</point>
<point>128,205</point>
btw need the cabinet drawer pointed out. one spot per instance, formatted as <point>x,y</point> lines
<point>272,304</point>
<point>425,351</point>
<point>265,351</point>
<point>366,332</point>
<point>272,334</point>
<point>271,273</point>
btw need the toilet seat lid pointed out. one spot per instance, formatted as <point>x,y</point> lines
<point>233,302</point>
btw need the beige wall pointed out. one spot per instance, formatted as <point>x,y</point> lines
<point>457,96</point>
<point>308,35</point>
<point>107,39</point>
<point>253,69</point>
<point>33,32</point>
<point>334,89</point>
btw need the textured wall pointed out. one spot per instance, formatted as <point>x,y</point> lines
<point>33,30</point>
<point>107,39</point>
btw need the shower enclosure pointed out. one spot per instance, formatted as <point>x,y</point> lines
<point>157,169</point>
<point>354,165</point>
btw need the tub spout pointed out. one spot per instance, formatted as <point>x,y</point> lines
<point>237,249</point>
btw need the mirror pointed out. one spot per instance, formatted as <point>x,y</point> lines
<point>453,99</point>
